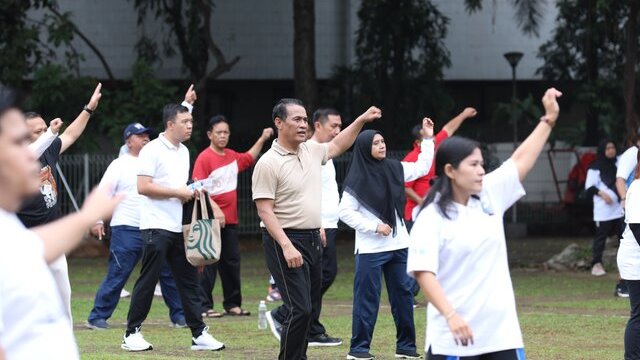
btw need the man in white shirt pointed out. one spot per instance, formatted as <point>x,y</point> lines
<point>163,171</point>
<point>33,319</point>
<point>125,248</point>
<point>626,165</point>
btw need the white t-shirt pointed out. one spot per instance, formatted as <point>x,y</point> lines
<point>365,223</point>
<point>330,196</point>
<point>601,210</point>
<point>468,256</point>
<point>627,162</point>
<point>33,322</point>
<point>168,166</point>
<point>629,250</point>
<point>122,176</point>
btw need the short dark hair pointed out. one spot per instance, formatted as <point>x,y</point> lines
<point>322,115</point>
<point>415,132</point>
<point>31,115</point>
<point>170,111</point>
<point>280,110</point>
<point>215,120</point>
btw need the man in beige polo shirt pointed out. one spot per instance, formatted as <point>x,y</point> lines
<point>286,186</point>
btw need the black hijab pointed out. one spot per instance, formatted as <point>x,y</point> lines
<point>606,166</point>
<point>378,185</point>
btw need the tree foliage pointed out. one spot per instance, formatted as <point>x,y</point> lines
<point>27,43</point>
<point>528,14</point>
<point>588,47</point>
<point>400,61</point>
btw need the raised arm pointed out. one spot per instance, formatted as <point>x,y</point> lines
<point>75,129</point>
<point>268,217</point>
<point>255,149</point>
<point>190,98</point>
<point>419,168</point>
<point>527,153</point>
<point>62,236</point>
<point>452,126</point>
<point>147,187</point>
<point>44,141</point>
<point>346,137</point>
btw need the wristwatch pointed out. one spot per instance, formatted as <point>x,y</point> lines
<point>86,108</point>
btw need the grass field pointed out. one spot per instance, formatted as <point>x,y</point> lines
<point>563,315</point>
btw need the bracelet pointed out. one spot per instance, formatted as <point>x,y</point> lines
<point>450,315</point>
<point>545,119</point>
<point>86,108</point>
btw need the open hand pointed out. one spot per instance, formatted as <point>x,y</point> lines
<point>100,204</point>
<point>372,113</point>
<point>55,125</point>
<point>190,96</point>
<point>461,331</point>
<point>427,128</point>
<point>95,98</point>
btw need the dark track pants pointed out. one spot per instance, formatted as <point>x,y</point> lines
<point>160,246</point>
<point>300,288</point>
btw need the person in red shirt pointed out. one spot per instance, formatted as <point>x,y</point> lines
<point>416,190</point>
<point>218,168</point>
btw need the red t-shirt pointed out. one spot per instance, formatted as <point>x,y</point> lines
<point>421,185</point>
<point>222,171</point>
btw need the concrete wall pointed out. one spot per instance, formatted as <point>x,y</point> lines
<point>261,32</point>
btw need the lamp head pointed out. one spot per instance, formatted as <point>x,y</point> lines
<point>513,57</point>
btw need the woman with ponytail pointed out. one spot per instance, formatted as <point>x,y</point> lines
<point>373,204</point>
<point>457,250</point>
<point>629,265</point>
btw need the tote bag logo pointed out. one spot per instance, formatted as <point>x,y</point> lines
<point>200,239</point>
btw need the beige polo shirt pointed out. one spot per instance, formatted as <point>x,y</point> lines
<point>294,182</point>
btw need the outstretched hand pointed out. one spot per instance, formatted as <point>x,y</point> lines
<point>55,125</point>
<point>190,96</point>
<point>95,97</point>
<point>372,113</point>
<point>550,103</point>
<point>427,128</point>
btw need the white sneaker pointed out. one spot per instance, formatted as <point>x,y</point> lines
<point>206,342</point>
<point>157,291</point>
<point>598,270</point>
<point>135,342</point>
<point>124,294</point>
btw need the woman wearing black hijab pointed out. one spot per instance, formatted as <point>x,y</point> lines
<point>607,211</point>
<point>373,204</point>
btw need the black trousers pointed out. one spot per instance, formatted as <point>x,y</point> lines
<point>229,269</point>
<point>161,245</point>
<point>300,288</point>
<point>632,332</point>
<point>604,229</point>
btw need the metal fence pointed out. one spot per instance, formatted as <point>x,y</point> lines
<point>84,171</point>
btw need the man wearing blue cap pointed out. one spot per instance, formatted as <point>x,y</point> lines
<point>126,243</point>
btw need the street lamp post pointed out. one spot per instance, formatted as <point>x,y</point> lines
<point>513,57</point>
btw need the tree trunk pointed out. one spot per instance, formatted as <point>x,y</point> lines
<point>591,133</point>
<point>630,61</point>
<point>304,53</point>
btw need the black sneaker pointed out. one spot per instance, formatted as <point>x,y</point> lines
<point>622,290</point>
<point>98,324</point>
<point>356,356</point>
<point>324,340</point>
<point>407,354</point>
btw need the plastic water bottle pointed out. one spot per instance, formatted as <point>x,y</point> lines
<point>262,315</point>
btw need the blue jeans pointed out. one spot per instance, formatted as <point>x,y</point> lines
<point>124,253</point>
<point>367,285</point>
